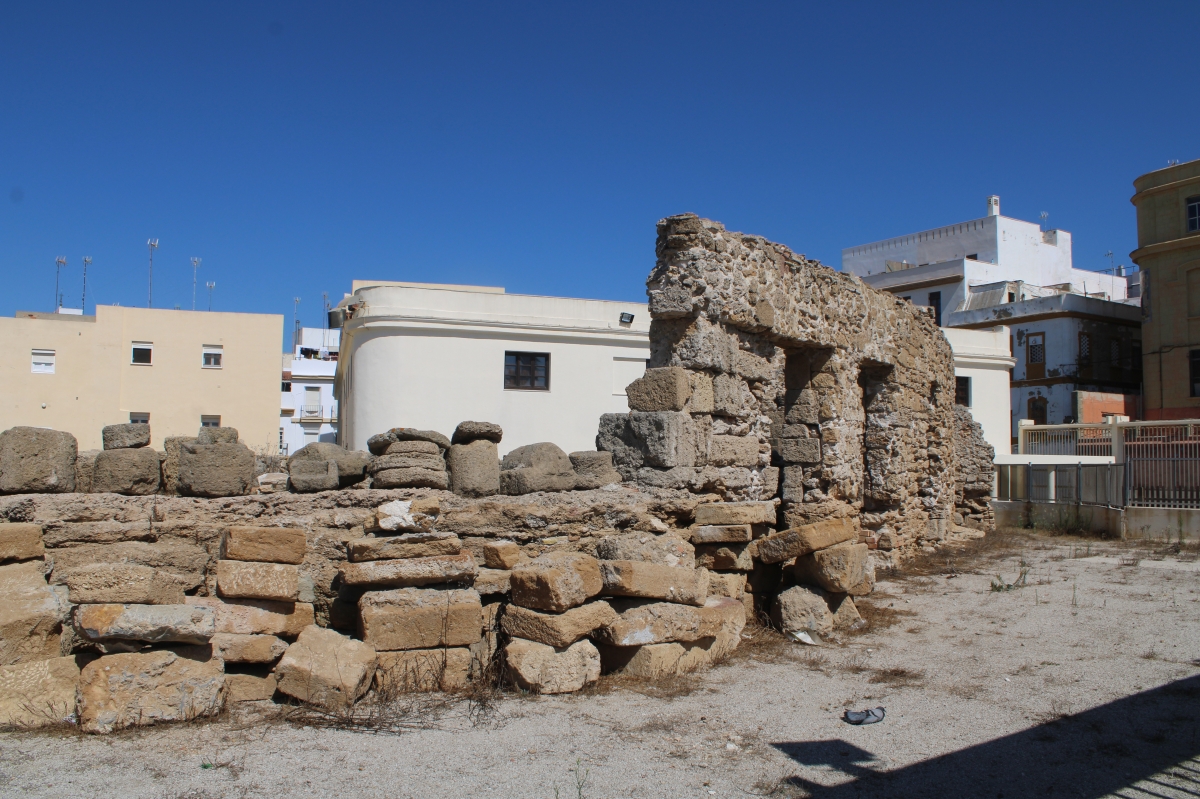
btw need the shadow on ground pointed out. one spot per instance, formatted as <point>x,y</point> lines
<point>1090,754</point>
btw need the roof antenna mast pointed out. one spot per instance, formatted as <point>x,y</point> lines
<point>151,245</point>
<point>59,263</point>
<point>87,260</point>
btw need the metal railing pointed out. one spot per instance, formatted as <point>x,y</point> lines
<point>1163,483</point>
<point>1073,483</point>
<point>1120,440</point>
<point>311,410</point>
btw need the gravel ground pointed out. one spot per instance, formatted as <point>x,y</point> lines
<point>1082,681</point>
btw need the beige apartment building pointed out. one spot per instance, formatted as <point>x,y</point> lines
<point>176,370</point>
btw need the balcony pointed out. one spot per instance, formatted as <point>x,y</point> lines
<point>318,413</point>
<point>311,411</point>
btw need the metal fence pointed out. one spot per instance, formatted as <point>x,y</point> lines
<point>1163,482</point>
<point>1144,482</point>
<point>1120,440</point>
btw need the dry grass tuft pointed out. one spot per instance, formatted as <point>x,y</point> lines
<point>898,676</point>
<point>879,612</point>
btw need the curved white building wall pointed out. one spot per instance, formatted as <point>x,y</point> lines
<point>982,356</point>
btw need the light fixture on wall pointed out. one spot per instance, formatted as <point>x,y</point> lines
<point>627,319</point>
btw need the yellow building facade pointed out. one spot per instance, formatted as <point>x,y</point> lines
<point>176,370</point>
<point>1168,253</point>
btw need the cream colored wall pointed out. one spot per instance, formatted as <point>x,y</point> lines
<point>96,384</point>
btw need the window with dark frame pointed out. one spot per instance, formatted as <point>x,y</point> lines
<point>1193,214</point>
<point>1194,372</point>
<point>935,302</point>
<point>962,391</point>
<point>143,353</point>
<point>527,371</point>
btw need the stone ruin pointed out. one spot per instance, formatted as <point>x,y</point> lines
<point>795,429</point>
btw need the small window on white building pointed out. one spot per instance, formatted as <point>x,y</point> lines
<point>42,362</point>
<point>136,417</point>
<point>962,391</point>
<point>312,401</point>
<point>211,357</point>
<point>142,353</point>
<point>210,421</point>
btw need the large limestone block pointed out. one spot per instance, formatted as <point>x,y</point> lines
<point>649,622</point>
<point>257,616</point>
<point>493,581</point>
<point>31,614</point>
<point>655,661</point>
<point>173,447</point>
<point>101,583</point>
<point>423,451</point>
<point>845,614</point>
<point>215,470</point>
<point>722,513</point>
<point>239,579</point>
<point>267,544</point>
<point>351,464</point>
<point>556,581</point>
<point>731,396</point>
<point>501,554</point>
<point>423,670</point>
<point>250,687</point>
<point>415,618</point>
<point>235,648</point>
<point>666,438</point>
<point>662,389</point>
<point>800,450</point>
<point>475,468</point>
<point>867,584</point>
<point>593,470</point>
<point>733,451</point>
<point>400,547</point>
<point>725,557</point>
<point>536,467</point>
<point>187,562</point>
<point>546,669</point>
<point>802,540</point>
<point>405,516</point>
<point>183,624</point>
<point>309,476</point>
<point>802,608</point>
<point>217,435</point>
<point>633,578</point>
<point>411,572</point>
<point>466,432</point>
<point>34,460</point>
<point>141,688</point>
<point>38,693</point>
<point>839,568</point>
<point>666,549</point>
<point>727,585</point>
<point>125,436</point>
<point>21,541</point>
<point>557,629</point>
<point>133,472</point>
<point>411,477</point>
<point>325,668</point>
<point>722,533</point>
<point>413,434</point>
<point>85,463</point>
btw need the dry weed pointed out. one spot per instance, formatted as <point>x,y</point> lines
<point>898,676</point>
<point>879,612</point>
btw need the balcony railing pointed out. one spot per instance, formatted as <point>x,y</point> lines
<point>310,410</point>
<point>1122,441</point>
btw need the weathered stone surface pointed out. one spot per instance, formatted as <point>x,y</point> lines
<point>411,478</point>
<point>593,470</point>
<point>396,547</point>
<point>475,468</point>
<point>404,516</point>
<point>266,544</point>
<point>667,549</point>
<point>325,668</point>
<point>272,482</point>
<point>250,687</point>
<point>728,585</point>
<point>257,616</point>
<point>123,583</point>
<point>239,579</point>
<point>808,538</point>
<point>85,463</point>
<point>378,443</point>
<point>125,436</point>
<point>425,451</point>
<point>721,533</point>
<point>36,460</point>
<point>653,581</point>
<point>501,554</point>
<point>215,470</point>
<point>664,389</point>
<point>351,464</point>
<point>187,562</point>
<point>135,689</point>
<point>731,396</point>
<point>867,584</point>
<point>217,435</point>
<point>466,432</point>
<point>38,693</point>
<point>725,557</point>
<point>845,614</point>
<point>184,624</point>
<point>536,467</point>
<point>666,439</point>
<point>839,568</point>
<point>235,648</point>
<point>802,608</point>
<point>20,542</point>
<point>733,451</point>
<point>655,661</point>
<point>414,618</point>
<point>493,581</point>
<point>31,614</point>
<point>648,622</point>
<point>132,472</point>
<point>548,670</point>
<point>411,572</point>
<point>556,581</point>
<point>173,447</point>
<point>557,629</point>
<point>412,670</point>
<point>726,513</point>
<point>800,450</point>
<point>413,434</point>
<point>309,477</point>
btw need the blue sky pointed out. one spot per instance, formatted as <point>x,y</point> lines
<point>297,146</point>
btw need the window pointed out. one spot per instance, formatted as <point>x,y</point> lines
<point>973,256</point>
<point>1194,372</point>
<point>962,391</point>
<point>42,362</point>
<point>1012,296</point>
<point>1035,356</point>
<point>1037,409</point>
<point>935,302</point>
<point>312,401</point>
<point>286,386</point>
<point>282,446</point>
<point>1114,353</point>
<point>528,371</point>
<point>139,418</point>
<point>210,421</point>
<point>1193,214</point>
<point>143,353</point>
<point>211,357</point>
<point>1085,349</point>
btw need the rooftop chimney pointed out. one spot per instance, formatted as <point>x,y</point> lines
<point>993,205</point>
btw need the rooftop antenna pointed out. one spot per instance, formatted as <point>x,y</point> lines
<point>151,245</point>
<point>1044,215</point>
<point>295,320</point>
<point>211,285</point>
<point>87,260</point>
<point>1109,256</point>
<point>59,263</point>
<point>195,266</point>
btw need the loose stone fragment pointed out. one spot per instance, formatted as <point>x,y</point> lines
<point>413,618</point>
<point>185,624</point>
<point>235,648</point>
<point>123,583</point>
<point>493,581</point>
<point>238,579</point>
<point>501,554</point>
<point>721,533</point>
<point>557,629</point>
<point>257,616</point>
<point>593,470</point>
<point>402,547</point>
<point>325,668</point>
<point>21,542</point>
<point>729,557</point>
<point>652,581</point>
<point>250,687</point>
<point>839,568</point>
<point>445,669</point>
<point>548,670</point>
<point>31,614</point>
<point>556,581</point>
<point>845,614</point>
<point>466,432</point>
<point>475,469</point>
<point>802,540</point>
<point>413,572</point>
<point>38,693</point>
<point>404,516</point>
<point>125,436</point>
<point>802,608</point>
<point>266,544</point>
<point>309,477</point>
<point>140,688</point>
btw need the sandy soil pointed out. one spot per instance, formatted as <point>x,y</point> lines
<point>1079,681</point>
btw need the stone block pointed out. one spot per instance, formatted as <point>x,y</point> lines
<point>34,460</point>
<point>839,568</point>
<point>633,578</point>
<point>240,579</point>
<point>722,513</point>
<point>411,572</point>
<point>85,463</point>
<point>536,467</point>
<point>378,443</point>
<point>733,451</point>
<point>655,661</point>
<point>666,438</point>
<point>309,477</point>
<point>475,469</point>
<point>802,540</point>
<point>411,478</point>
<point>38,693</point>
<point>545,669</point>
<point>101,583</point>
<point>155,624</point>
<point>238,648</point>
<point>648,622</point>
<point>21,541</point>
<point>484,657</point>
<point>187,562</point>
<point>125,436</point>
<point>250,688</point>
<point>725,557</point>
<point>805,409</point>
<point>800,450</point>
<point>413,670</point>
<point>493,581</point>
<point>769,481</point>
<point>721,534</point>
<point>867,584</point>
<point>272,482</point>
<point>728,585</point>
<point>266,544</point>
<point>257,616</point>
<point>501,554</point>
<point>662,389</point>
<point>845,614</point>
<point>400,547</point>
<point>133,472</point>
<point>556,581</point>
<point>405,516</point>
<point>731,396</point>
<point>141,688</point>
<point>557,629</point>
<point>414,618</point>
<point>413,434</point>
<point>215,470</point>
<point>31,614</point>
<point>702,400</point>
<point>802,608</point>
<point>217,435</point>
<point>594,470</point>
<point>173,448</point>
<point>351,464</point>
<point>666,549</point>
<point>615,434</point>
<point>326,668</point>
<point>466,432</point>
<point>419,450</point>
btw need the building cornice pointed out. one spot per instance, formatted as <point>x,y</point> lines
<point>439,325</point>
<point>1166,246</point>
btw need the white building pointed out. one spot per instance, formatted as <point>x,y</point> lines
<point>981,376</point>
<point>431,356</point>
<point>308,407</point>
